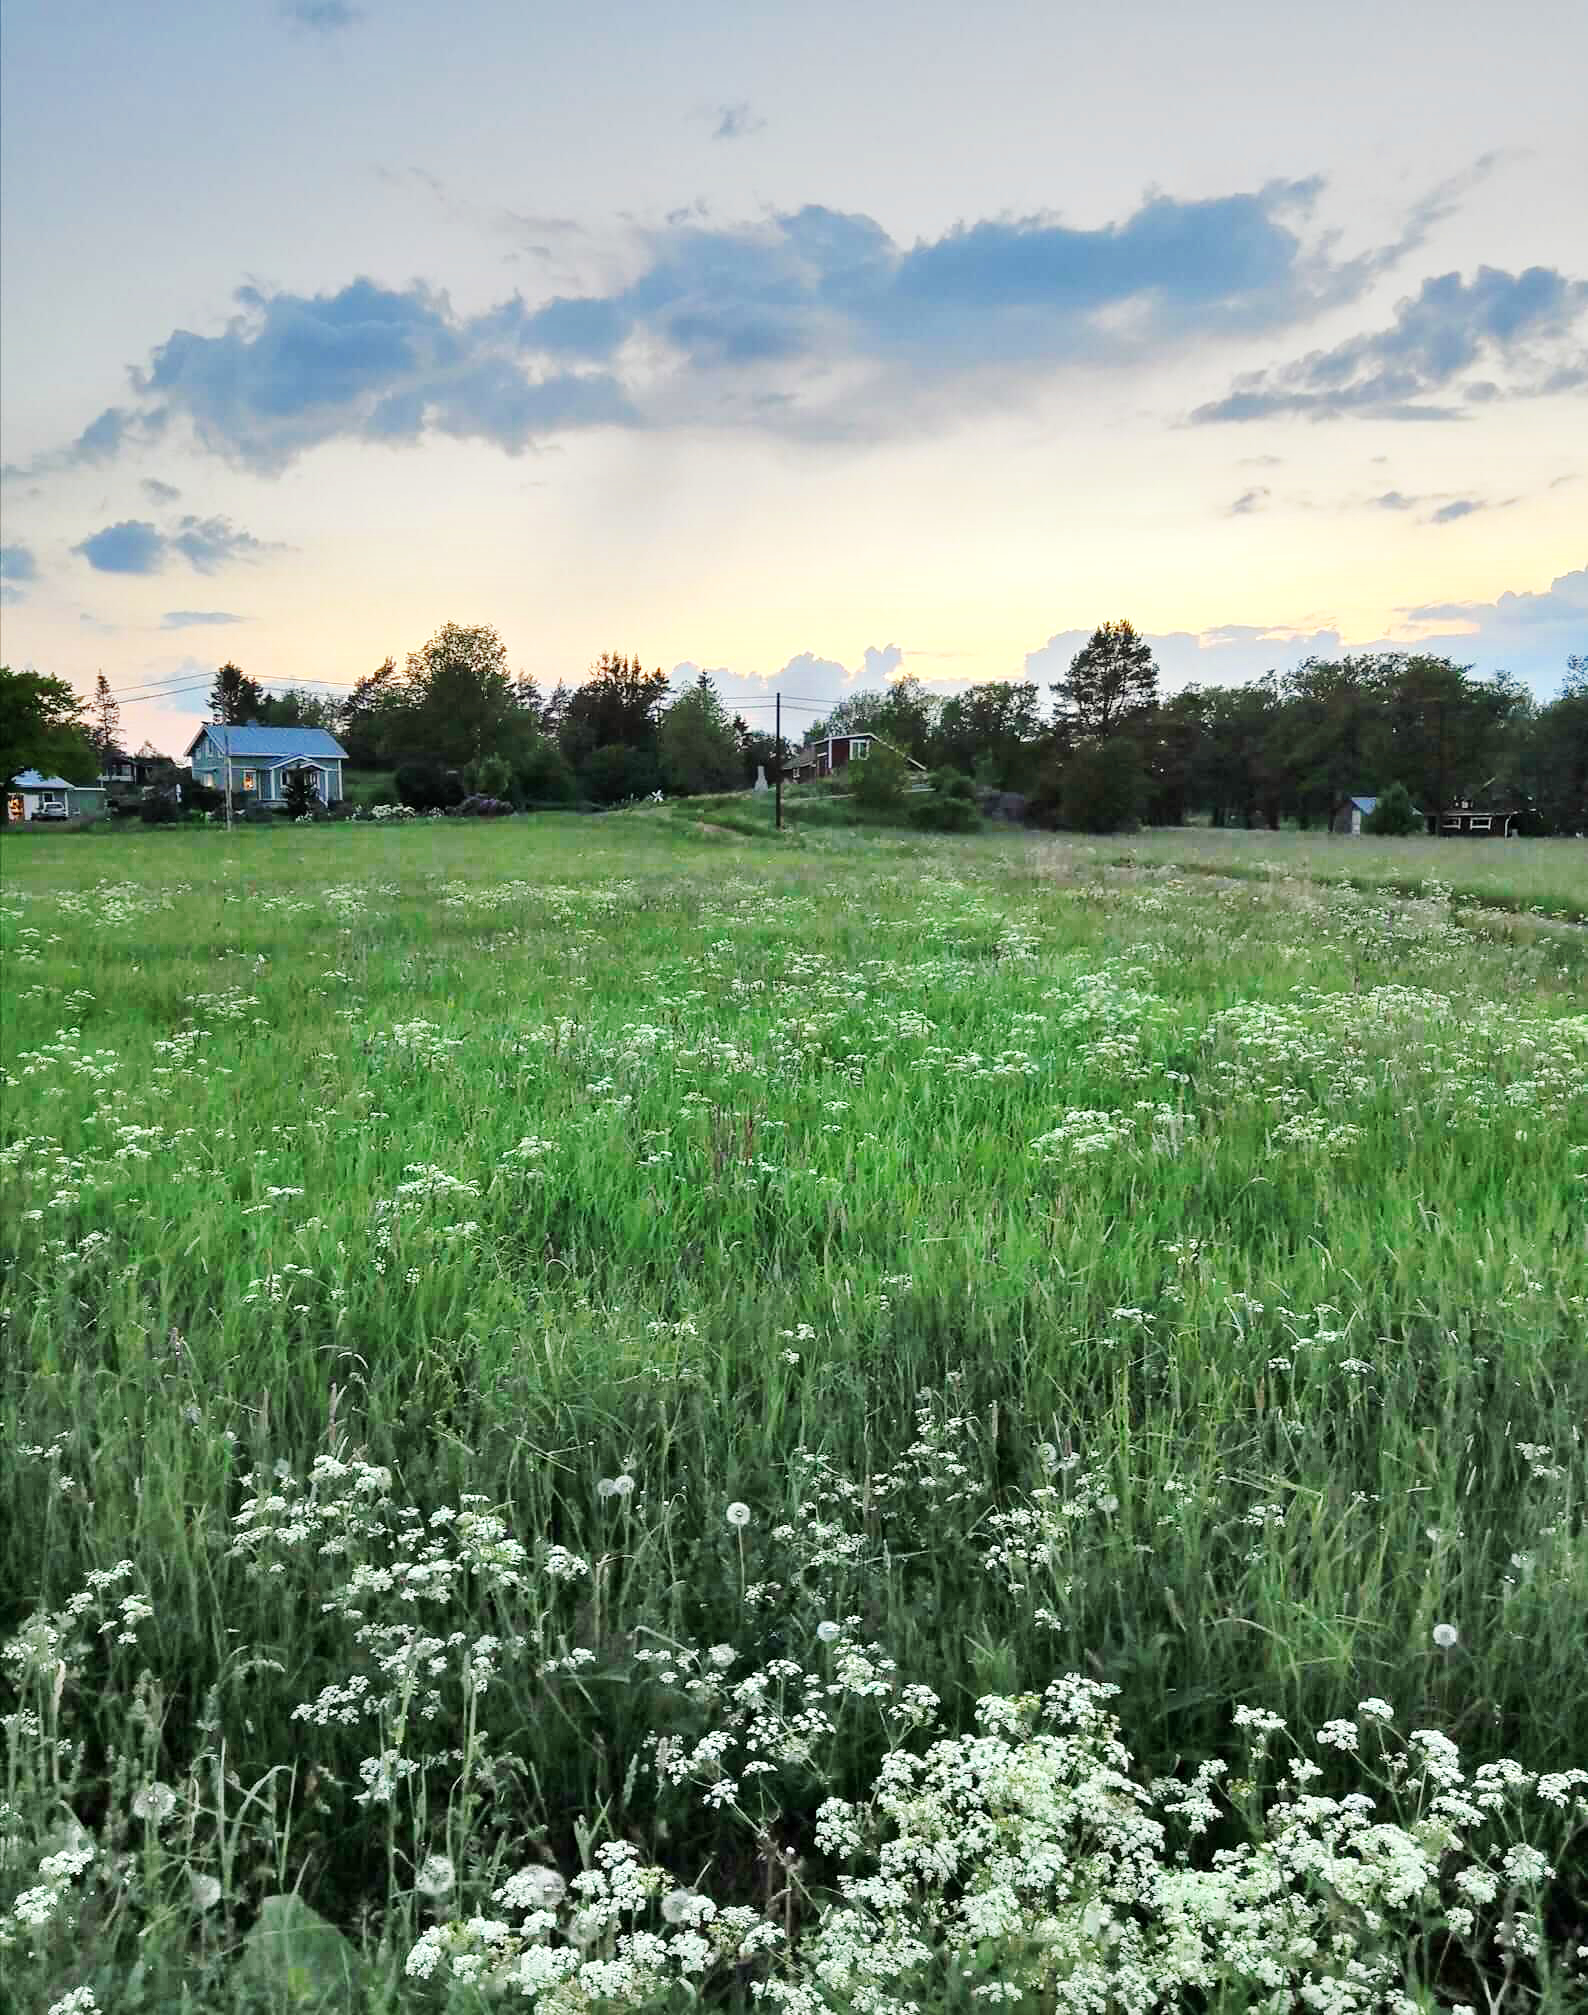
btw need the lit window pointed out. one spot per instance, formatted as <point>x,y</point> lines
<point>248,781</point>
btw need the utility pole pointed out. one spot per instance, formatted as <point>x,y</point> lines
<point>228,784</point>
<point>777,756</point>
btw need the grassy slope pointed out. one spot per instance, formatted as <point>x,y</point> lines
<point>744,1137</point>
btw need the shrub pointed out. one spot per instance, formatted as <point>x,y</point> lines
<point>199,797</point>
<point>488,777</point>
<point>479,806</point>
<point>879,782</point>
<point>300,794</point>
<point>542,776</point>
<point>160,808</point>
<point>951,808</point>
<point>1394,816</point>
<point>427,787</point>
<point>617,773</point>
<point>1102,789</point>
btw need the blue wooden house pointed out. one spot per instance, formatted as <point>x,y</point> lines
<point>254,762</point>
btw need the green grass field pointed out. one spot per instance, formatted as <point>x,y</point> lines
<point>729,1287</point>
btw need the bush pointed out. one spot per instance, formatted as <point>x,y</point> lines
<point>1394,816</point>
<point>299,794</point>
<point>1102,789</point>
<point>542,776</point>
<point>199,797</point>
<point>945,815</point>
<point>951,808</point>
<point>160,808</point>
<point>879,782</point>
<point>617,774</point>
<point>427,787</point>
<point>479,806</point>
<point>488,777</point>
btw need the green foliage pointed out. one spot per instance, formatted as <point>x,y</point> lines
<point>235,699</point>
<point>1112,682</point>
<point>104,714</point>
<point>42,728</point>
<point>427,786</point>
<point>541,776</point>
<point>453,701</point>
<point>1394,816</point>
<point>880,781</point>
<point>490,777</point>
<point>697,746</point>
<point>950,807</point>
<point>617,706</point>
<point>1102,788</point>
<point>300,792</point>
<point>619,773</point>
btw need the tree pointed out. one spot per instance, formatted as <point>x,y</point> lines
<point>541,776</point>
<point>1112,683</point>
<point>295,708</point>
<point>235,699</point>
<point>997,725</point>
<point>426,786</point>
<point>617,706</point>
<point>455,700</point>
<point>300,792</point>
<point>364,718</point>
<point>1394,816</point>
<point>42,728</point>
<point>104,720</point>
<point>1103,788</point>
<point>696,743</point>
<point>880,781</point>
<point>618,773</point>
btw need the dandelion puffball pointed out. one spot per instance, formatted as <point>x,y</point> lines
<point>739,1515</point>
<point>1446,1635</point>
<point>829,1633</point>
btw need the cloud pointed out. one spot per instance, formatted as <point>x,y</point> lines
<point>1526,325</point>
<point>813,323</point>
<point>808,682</point>
<point>291,371</point>
<point>135,546</point>
<point>1394,500</point>
<point>325,17</point>
<point>1227,654</point>
<point>18,564</point>
<point>208,543</point>
<point>132,547</point>
<point>1249,501</point>
<point>1460,507</point>
<point>1529,632</point>
<point>195,619</point>
<point>735,122</point>
<point>158,492</point>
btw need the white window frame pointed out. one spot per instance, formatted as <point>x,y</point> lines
<point>859,748</point>
<point>1481,822</point>
<point>250,781</point>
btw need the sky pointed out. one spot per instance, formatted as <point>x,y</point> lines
<point>808,345</point>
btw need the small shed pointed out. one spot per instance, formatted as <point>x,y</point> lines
<point>32,796</point>
<point>1350,813</point>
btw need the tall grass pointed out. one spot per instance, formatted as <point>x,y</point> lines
<point>524,1158</point>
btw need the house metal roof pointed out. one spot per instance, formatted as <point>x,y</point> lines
<point>262,742</point>
<point>30,780</point>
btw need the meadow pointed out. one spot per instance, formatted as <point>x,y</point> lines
<point>634,1415</point>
